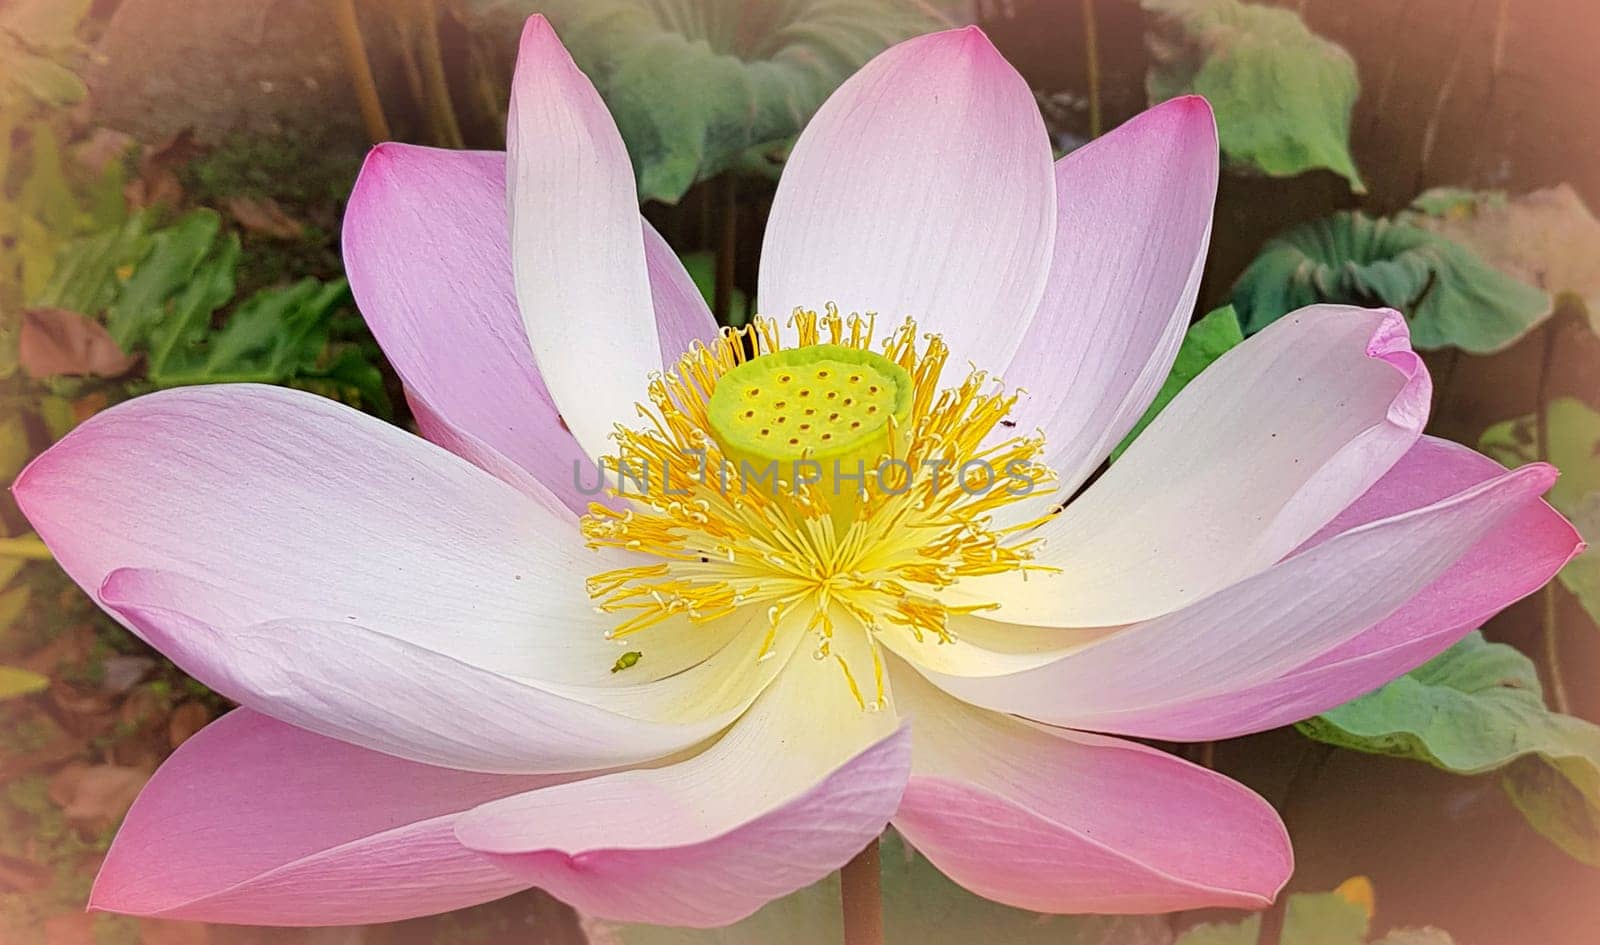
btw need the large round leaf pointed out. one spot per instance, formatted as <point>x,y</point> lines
<point>1282,94</point>
<point>919,905</point>
<point>701,86</point>
<point>1573,433</point>
<point>1547,238</point>
<point>1448,295</point>
<point>1309,919</point>
<point>1476,708</point>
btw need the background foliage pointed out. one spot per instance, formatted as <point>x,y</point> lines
<point>172,174</point>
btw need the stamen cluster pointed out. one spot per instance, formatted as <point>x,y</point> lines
<point>814,554</point>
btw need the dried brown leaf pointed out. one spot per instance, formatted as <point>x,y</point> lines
<point>263,215</point>
<point>186,720</point>
<point>55,341</point>
<point>18,875</point>
<point>94,797</point>
<point>157,182</point>
<point>101,149</point>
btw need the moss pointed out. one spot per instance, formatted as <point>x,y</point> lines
<point>292,169</point>
<point>30,734</point>
<point>116,930</point>
<point>31,796</point>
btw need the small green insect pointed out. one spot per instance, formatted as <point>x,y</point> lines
<point>626,660</point>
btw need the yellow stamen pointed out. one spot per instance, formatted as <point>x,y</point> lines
<point>731,526</point>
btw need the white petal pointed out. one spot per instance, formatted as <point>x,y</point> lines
<point>1257,453</point>
<point>922,187</point>
<point>577,247</point>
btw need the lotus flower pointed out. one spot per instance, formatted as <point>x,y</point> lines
<point>461,676</point>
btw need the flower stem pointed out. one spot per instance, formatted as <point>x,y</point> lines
<point>360,70</point>
<point>1551,610</point>
<point>1552,652</point>
<point>440,108</point>
<point>1293,808</point>
<point>1091,58</point>
<point>863,898</point>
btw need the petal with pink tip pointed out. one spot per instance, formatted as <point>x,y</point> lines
<point>254,821</point>
<point>1058,821</point>
<point>1262,627</point>
<point>309,509</point>
<point>427,249</point>
<point>796,787</point>
<point>1134,219</point>
<point>1515,559</point>
<point>370,689</point>
<point>583,475</point>
<point>1257,453</point>
<point>922,187</point>
<point>577,253</point>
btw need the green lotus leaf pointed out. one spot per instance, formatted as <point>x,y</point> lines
<point>1574,441</point>
<point>1449,296</point>
<point>699,87</point>
<point>919,905</point>
<point>1547,238</point>
<point>1282,94</point>
<point>1476,708</point>
<point>1310,919</point>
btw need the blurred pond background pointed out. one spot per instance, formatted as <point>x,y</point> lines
<point>172,179</point>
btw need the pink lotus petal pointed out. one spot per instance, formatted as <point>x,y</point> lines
<point>362,686</point>
<point>682,316</point>
<point>427,250</point>
<point>1515,559</point>
<point>1262,627</point>
<point>1134,221</point>
<point>1252,458</point>
<point>577,254</point>
<point>253,821</point>
<point>312,510</point>
<point>1059,821</point>
<point>796,787</point>
<point>564,502</point>
<point>922,187</point>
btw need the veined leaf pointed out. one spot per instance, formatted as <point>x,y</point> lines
<point>1282,94</point>
<point>698,87</point>
<point>1449,296</point>
<point>88,273</point>
<point>275,335</point>
<point>160,292</point>
<point>1547,238</point>
<point>1473,709</point>
<point>175,252</point>
<point>1573,432</point>
<point>1335,918</point>
<point>1557,799</point>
